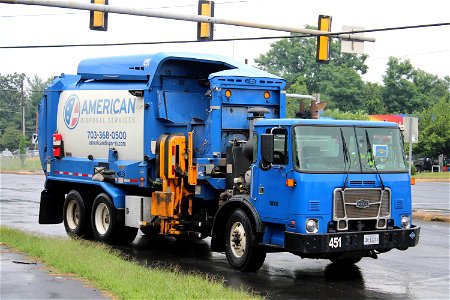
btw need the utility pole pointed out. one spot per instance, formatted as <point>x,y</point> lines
<point>23,106</point>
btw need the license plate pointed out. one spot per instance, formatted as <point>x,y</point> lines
<point>371,239</point>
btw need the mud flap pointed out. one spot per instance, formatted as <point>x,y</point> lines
<point>51,208</point>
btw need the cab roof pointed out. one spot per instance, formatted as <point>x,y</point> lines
<point>291,122</point>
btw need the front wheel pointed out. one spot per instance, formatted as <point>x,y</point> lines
<point>241,245</point>
<point>105,226</point>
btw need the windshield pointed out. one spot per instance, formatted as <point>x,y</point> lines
<point>348,149</point>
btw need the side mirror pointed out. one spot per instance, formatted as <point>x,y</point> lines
<point>267,143</point>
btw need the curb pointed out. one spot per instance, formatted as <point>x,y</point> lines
<point>432,179</point>
<point>23,172</point>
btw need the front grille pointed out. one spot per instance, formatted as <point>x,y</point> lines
<point>361,204</point>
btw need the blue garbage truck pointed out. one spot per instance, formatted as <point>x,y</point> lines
<point>197,145</point>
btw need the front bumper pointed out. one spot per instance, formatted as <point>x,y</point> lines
<point>351,241</point>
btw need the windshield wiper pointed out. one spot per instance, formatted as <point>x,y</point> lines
<point>372,158</point>
<point>347,160</point>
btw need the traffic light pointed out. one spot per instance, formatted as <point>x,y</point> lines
<point>323,41</point>
<point>205,30</point>
<point>98,19</point>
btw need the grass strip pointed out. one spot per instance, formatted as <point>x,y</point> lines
<point>432,175</point>
<point>431,216</point>
<point>106,269</point>
<point>15,164</point>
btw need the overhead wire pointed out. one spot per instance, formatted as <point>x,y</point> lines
<point>19,90</point>
<point>292,36</point>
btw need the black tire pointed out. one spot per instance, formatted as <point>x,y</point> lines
<point>76,217</point>
<point>345,261</point>
<point>105,226</point>
<point>241,245</point>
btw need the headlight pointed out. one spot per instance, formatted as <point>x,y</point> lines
<point>312,225</point>
<point>406,222</point>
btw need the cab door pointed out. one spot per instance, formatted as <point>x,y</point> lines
<point>268,191</point>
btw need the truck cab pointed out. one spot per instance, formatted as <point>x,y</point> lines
<point>330,189</point>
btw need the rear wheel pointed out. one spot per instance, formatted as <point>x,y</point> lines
<point>241,247</point>
<point>105,226</point>
<point>76,218</point>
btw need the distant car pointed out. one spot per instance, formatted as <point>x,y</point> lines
<point>424,163</point>
<point>7,154</point>
<point>29,152</point>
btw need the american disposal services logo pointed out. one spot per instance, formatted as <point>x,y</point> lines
<point>72,112</point>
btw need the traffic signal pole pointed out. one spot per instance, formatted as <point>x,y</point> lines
<point>183,17</point>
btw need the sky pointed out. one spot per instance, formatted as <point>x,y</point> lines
<point>427,49</point>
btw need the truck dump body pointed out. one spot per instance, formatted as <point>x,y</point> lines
<point>195,145</point>
<point>172,93</point>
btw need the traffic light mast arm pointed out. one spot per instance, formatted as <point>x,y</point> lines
<point>182,17</point>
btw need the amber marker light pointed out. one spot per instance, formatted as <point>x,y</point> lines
<point>290,182</point>
<point>228,93</point>
<point>413,181</point>
<point>266,95</point>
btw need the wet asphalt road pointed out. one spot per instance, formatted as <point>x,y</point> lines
<point>24,278</point>
<point>418,273</point>
<point>431,196</point>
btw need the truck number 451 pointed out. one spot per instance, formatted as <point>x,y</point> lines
<point>335,242</point>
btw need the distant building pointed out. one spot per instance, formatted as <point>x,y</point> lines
<point>388,118</point>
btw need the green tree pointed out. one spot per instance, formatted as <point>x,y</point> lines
<point>372,98</point>
<point>292,104</point>
<point>35,87</point>
<point>10,138</point>
<point>344,115</point>
<point>343,86</point>
<point>294,57</point>
<point>10,100</point>
<point>409,90</point>
<point>400,94</point>
<point>434,129</point>
<point>430,87</point>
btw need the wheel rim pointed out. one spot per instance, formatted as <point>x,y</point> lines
<point>238,239</point>
<point>73,215</point>
<point>102,218</point>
